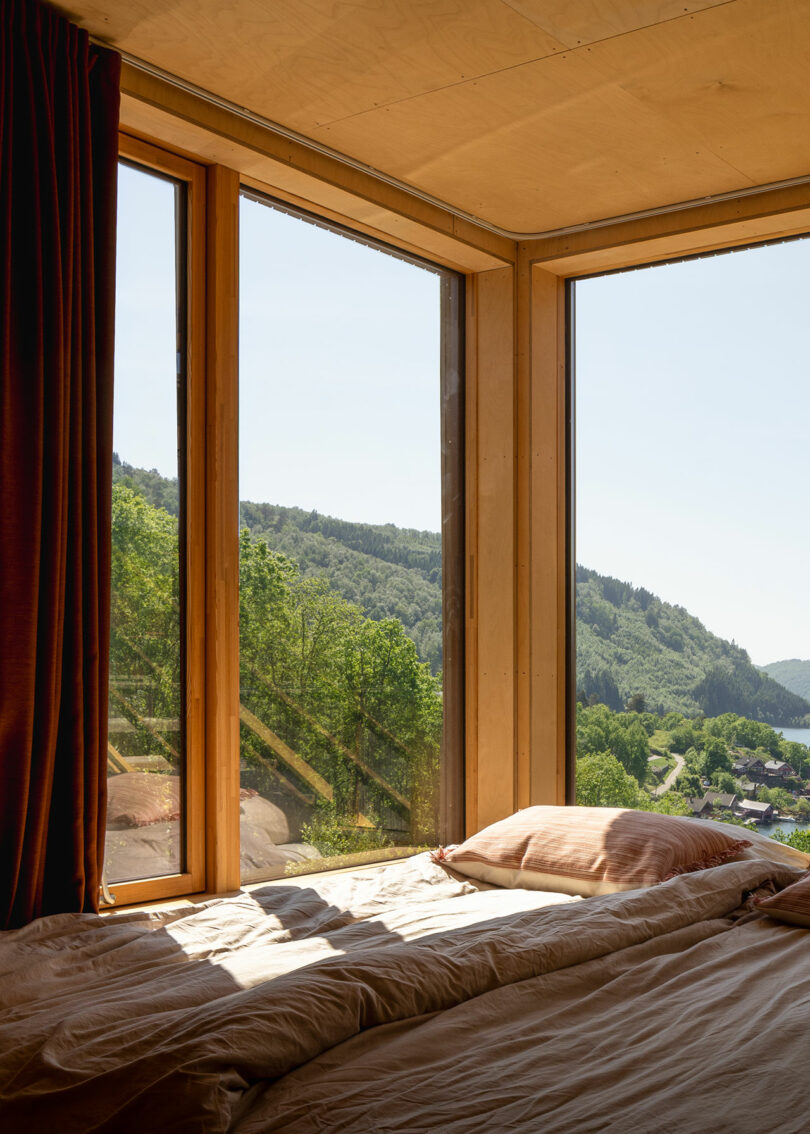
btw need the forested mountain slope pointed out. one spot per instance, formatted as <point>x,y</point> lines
<point>629,642</point>
<point>389,572</point>
<point>793,673</point>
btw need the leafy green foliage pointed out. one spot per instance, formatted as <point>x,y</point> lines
<point>344,692</point>
<point>157,490</point>
<point>800,840</point>
<point>603,782</point>
<point>708,748</point>
<point>621,734</point>
<point>145,623</point>
<point>344,695</point>
<point>688,783</point>
<point>330,835</point>
<point>388,572</point>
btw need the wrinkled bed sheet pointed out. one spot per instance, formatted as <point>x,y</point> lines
<point>406,1000</point>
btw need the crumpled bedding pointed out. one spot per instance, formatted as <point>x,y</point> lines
<point>404,1000</point>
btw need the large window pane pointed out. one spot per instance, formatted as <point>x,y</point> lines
<point>691,391</point>
<point>145,757</point>
<point>341,556</point>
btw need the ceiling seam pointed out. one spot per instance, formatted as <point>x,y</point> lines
<point>563,50</point>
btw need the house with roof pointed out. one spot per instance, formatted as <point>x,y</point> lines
<point>777,772</point>
<point>753,809</point>
<point>711,801</point>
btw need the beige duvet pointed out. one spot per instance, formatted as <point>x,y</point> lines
<point>404,1000</point>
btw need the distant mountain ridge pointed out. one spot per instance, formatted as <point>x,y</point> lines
<point>793,673</point>
<point>629,642</point>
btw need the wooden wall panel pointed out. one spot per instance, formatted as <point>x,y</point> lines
<point>222,534</point>
<point>547,520</point>
<point>491,549</point>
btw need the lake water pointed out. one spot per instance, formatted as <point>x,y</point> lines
<point>769,828</point>
<point>798,735</point>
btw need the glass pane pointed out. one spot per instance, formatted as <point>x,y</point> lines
<point>341,556</point>
<point>145,756</point>
<point>692,463</point>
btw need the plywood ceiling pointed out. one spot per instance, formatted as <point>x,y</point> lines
<point>530,114</point>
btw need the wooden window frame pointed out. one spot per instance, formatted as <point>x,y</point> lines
<point>212,850</point>
<point>452,433</point>
<point>518,408</point>
<point>549,268</point>
<point>152,158</point>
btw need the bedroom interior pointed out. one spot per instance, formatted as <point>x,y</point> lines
<point>598,969</point>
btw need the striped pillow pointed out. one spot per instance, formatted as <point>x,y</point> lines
<point>589,850</point>
<point>791,905</point>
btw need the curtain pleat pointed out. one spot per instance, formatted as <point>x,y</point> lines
<point>59,103</point>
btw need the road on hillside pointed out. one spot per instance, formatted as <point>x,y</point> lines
<point>673,775</point>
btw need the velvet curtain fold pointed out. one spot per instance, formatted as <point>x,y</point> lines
<point>59,103</point>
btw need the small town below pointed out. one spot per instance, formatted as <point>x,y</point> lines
<point>727,768</point>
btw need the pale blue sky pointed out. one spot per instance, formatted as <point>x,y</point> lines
<point>339,363</point>
<point>339,375</point>
<point>692,440</point>
<point>693,462</point>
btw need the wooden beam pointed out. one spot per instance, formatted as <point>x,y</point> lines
<point>117,761</point>
<point>271,161</point>
<point>283,750</point>
<point>764,215</point>
<point>286,783</point>
<point>547,533</point>
<point>491,768</point>
<point>222,533</point>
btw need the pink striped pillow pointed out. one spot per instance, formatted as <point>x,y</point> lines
<point>791,905</point>
<point>589,850</point>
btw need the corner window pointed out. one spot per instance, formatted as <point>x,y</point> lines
<point>692,695</point>
<point>154,756</point>
<point>349,428</point>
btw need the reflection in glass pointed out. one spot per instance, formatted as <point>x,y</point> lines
<point>145,753</point>
<point>341,556</point>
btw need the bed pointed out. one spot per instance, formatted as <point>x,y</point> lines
<point>412,997</point>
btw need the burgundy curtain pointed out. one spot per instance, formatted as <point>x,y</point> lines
<point>59,100</point>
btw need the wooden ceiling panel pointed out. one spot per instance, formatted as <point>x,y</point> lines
<point>740,86</point>
<point>555,140</point>
<point>530,114</point>
<point>306,62</point>
<point>577,22</point>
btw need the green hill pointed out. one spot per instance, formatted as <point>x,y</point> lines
<point>389,572</point>
<point>794,674</point>
<point>629,642</point>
